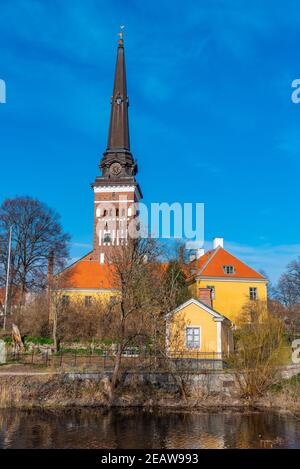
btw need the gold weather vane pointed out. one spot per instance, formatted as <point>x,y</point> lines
<point>120,34</point>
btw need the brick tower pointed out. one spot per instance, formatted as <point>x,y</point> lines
<point>116,191</point>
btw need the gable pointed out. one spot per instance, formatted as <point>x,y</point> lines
<point>214,267</point>
<point>195,305</point>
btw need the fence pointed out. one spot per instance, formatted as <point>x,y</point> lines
<point>104,360</point>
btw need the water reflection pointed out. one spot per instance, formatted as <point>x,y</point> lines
<point>137,429</point>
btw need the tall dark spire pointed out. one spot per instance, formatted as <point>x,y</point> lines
<point>117,161</point>
<point>118,136</point>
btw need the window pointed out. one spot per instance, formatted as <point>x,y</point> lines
<point>228,269</point>
<point>65,300</point>
<point>253,293</point>
<point>101,257</point>
<point>123,212</point>
<point>192,337</point>
<point>112,300</point>
<point>213,291</point>
<point>117,212</point>
<point>106,238</point>
<point>87,301</point>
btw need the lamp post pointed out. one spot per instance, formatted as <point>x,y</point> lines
<point>7,278</point>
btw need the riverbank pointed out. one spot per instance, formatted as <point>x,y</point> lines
<point>54,390</point>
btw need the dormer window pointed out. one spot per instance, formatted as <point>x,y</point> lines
<point>228,269</point>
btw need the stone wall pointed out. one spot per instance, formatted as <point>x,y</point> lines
<point>217,382</point>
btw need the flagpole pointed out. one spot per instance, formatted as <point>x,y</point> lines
<point>7,278</point>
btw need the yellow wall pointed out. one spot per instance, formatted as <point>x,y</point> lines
<point>230,296</point>
<point>98,295</point>
<point>194,315</point>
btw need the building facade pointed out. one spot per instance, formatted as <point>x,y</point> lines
<point>230,283</point>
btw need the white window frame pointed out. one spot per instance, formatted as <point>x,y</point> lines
<point>226,267</point>
<point>186,342</point>
<point>88,301</point>
<point>255,297</point>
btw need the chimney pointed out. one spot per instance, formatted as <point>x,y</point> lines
<point>50,269</point>
<point>199,253</point>
<point>181,255</point>
<point>192,256</point>
<point>218,242</point>
<point>205,296</point>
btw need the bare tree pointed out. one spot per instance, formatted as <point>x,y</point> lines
<point>259,350</point>
<point>288,288</point>
<point>36,232</point>
<point>133,273</point>
<point>287,292</point>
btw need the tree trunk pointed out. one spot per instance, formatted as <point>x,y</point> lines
<point>115,375</point>
<point>54,332</point>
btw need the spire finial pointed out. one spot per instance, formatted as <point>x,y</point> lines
<point>121,33</point>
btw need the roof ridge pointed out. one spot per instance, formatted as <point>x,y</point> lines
<point>209,259</point>
<point>197,301</point>
<point>75,262</point>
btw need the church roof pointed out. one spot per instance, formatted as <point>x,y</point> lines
<point>212,264</point>
<point>87,274</point>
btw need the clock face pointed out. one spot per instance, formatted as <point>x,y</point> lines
<point>115,169</point>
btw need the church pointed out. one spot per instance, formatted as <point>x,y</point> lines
<point>216,278</point>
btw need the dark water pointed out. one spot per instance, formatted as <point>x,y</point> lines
<point>137,429</point>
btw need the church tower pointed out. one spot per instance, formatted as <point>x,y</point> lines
<point>116,191</point>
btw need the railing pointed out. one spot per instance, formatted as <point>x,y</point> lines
<point>132,360</point>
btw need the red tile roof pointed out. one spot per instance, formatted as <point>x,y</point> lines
<point>212,263</point>
<point>89,274</point>
<point>85,274</point>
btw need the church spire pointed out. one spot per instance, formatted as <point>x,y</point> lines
<point>118,136</point>
<point>117,161</point>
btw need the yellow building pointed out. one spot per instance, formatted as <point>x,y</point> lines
<point>87,280</point>
<point>232,283</point>
<point>194,330</point>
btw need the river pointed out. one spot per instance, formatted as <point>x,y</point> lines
<point>94,428</point>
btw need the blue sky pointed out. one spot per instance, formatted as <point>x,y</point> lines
<point>211,117</point>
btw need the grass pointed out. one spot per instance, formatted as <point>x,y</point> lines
<point>80,351</point>
<point>292,383</point>
<point>38,340</point>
